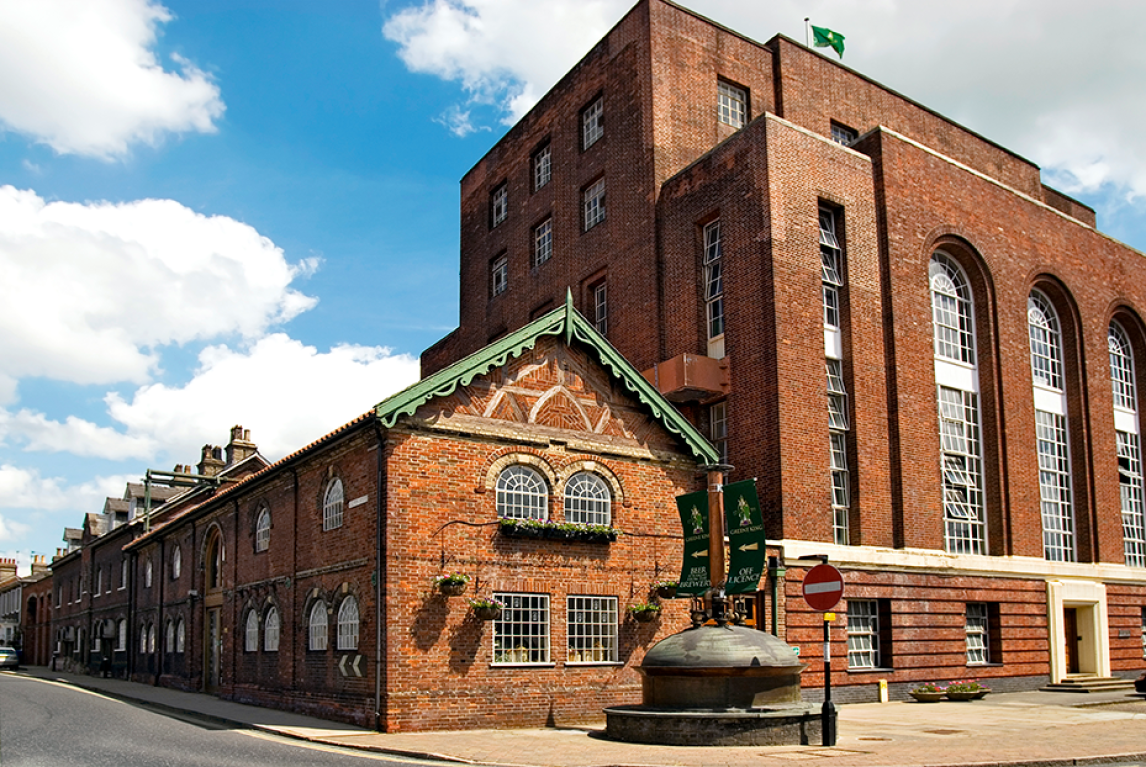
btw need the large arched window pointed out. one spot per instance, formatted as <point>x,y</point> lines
<point>180,635</point>
<point>957,393</point>
<point>263,530</point>
<point>348,624</point>
<point>316,626</point>
<point>1127,433</point>
<point>1051,429</point>
<point>169,637</point>
<point>251,643</point>
<point>271,627</point>
<point>332,505</point>
<point>587,500</point>
<point>522,494</point>
<point>176,563</point>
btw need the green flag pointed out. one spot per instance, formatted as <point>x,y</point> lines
<point>694,577</point>
<point>822,37</point>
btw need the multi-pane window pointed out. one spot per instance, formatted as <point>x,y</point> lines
<point>1144,632</point>
<point>348,624</point>
<point>316,627</point>
<point>272,625</point>
<point>521,631</point>
<point>498,205</point>
<point>962,476</point>
<point>718,429</point>
<point>1054,487</point>
<point>143,639</point>
<point>587,500</point>
<point>594,203</point>
<point>863,633</point>
<point>180,635</point>
<point>978,634</point>
<point>731,104</point>
<point>838,443</point>
<point>332,505</point>
<point>263,530</point>
<point>831,261</point>
<point>591,628</point>
<point>543,242</point>
<point>151,637</point>
<point>121,635</point>
<point>951,311</point>
<point>1046,342</point>
<point>542,167</point>
<point>169,637</point>
<point>499,275</point>
<point>714,279</point>
<point>1130,489</point>
<point>252,634</point>
<point>522,494</point>
<point>99,581</point>
<point>1121,368</point>
<point>842,134</point>
<point>176,562</point>
<point>600,297</point>
<point>593,123</point>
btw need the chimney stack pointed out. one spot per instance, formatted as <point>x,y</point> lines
<point>212,461</point>
<point>240,447</point>
<point>7,568</point>
<point>38,564</point>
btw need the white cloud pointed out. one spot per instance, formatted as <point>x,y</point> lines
<point>286,393</point>
<point>22,488</point>
<point>81,77</point>
<point>75,436</point>
<point>1045,78</point>
<point>11,530</point>
<point>92,290</point>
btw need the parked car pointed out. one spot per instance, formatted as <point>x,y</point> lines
<point>9,658</point>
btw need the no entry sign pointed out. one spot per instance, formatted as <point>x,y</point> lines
<point>823,587</point>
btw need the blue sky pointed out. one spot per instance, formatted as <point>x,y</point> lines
<point>219,212</point>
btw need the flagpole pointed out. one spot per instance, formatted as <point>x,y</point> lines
<point>808,31</point>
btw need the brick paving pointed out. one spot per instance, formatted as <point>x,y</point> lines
<point>1003,729</point>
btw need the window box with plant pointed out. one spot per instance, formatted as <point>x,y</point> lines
<point>644,612</point>
<point>486,608</point>
<point>927,693</point>
<point>452,585</point>
<point>558,531</point>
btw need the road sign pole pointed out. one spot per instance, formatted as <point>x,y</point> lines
<point>828,710</point>
<point>823,587</point>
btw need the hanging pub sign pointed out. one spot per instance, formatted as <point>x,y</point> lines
<point>744,525</point>
<point>694,578</point>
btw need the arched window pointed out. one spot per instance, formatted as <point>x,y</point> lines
<point>252,638</point>
<point>951,311</point>
<point>271,630</point>
<point>143,639</point>
<point>263,530</point>
<point>316,627</point>
<point>1051,429</point>
<point>147,575</point>
<point>121,635</point>
<point>214,561</point>
<point>176,562</point>
<point>332,505</point>
<point>587,500</point>
<point>348,624</point>
<point>957,384</point>
<point>151,637</point>
<point>180,636</point>
<point>169,637</point>
<point>1127,433</point>
<point>522,494</point>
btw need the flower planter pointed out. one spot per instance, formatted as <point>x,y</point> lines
<point>980,694</point>
<point>487,613</point>
<point>962,694</point>
<point>927,697</point>
<point>452,588</point>
<point>645,616</point>
<point>666,592</point>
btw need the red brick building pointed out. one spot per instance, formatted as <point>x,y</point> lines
<point>542,468</point>
<point>930,360</point>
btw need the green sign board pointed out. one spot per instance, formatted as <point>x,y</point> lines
<point>744,525</point>
<point>694,577</point>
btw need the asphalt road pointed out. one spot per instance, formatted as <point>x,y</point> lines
<point>46,724</point>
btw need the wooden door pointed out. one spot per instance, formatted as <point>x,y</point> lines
<point>1070,632</point>
<point>212,642</point>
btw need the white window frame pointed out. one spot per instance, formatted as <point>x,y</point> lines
<point>952,311</point>
<point>122,575</point>
<point>347,638</point>
<point>714,280</point>
<point>1130,490</point>
<point>121,635</point>
<point>180,635</point>
<point>272,626</point>
<point>522,493</point>
<point>333,501</point>
<point>718,428</point>
<point>542,167</point>
<point>1046,342</point>
<point>499,275</point>
<point>831,267</point>
<point>169,636</point>
<point>543,242</point>
<point>591,628</point>
<point>521,631</point>
<point>977,624</point>
<point>1055,487</point>
<point>318,633</point>
<point>251,635</point>
<point>841,134</point>
<point>593,206</point>
<point>263,530</point>
<point>600,295</point>
<point>176,563</point>
<point>499,204</point>
<point>731,104</point>
<point>961,471</point>
<point>147,572</point>
<point>588,500</point>
<point>593,123</point>
<point>143,640</point>
<point>1122,378</point>
<point>98,583</point>
<point>864,651</point>
<point>151,638</point>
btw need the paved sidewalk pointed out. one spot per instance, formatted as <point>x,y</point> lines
<point>1029,728</point>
